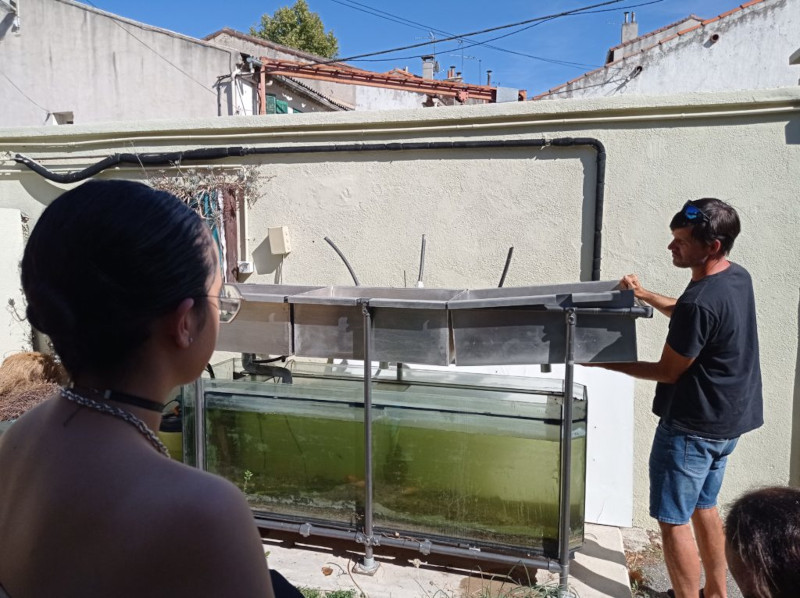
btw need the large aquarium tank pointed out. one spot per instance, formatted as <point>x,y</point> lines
<point>457,458</point>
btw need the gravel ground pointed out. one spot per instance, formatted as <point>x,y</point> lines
<point>646,566</point>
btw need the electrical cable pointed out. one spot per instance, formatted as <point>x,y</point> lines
<point>488,30</point>
<point>25,95</point>
<point>421,26</point>
<point>488,45</point>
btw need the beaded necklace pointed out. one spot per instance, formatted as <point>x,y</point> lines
<point>120,414</point>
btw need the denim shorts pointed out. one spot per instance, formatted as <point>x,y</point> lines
<point>685,473</point>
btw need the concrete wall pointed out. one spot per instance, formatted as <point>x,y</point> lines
<point>648,39</point>
<point>378,98</point>
<point>73,58</point>
<point>15,333</point>
<point>694,62</point>
<point>474,204</point>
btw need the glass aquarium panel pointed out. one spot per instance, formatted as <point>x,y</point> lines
<point>457,457</point>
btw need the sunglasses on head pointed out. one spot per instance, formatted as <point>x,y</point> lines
<point>693,214</point>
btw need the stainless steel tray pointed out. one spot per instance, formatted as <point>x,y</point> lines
<point>263,324</point>
<point>408,325</point>
<point>526,325</point>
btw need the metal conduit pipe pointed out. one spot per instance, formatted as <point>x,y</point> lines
<point>422,546</point>
<point>171,158</point>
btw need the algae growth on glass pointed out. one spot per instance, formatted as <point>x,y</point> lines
<point>461,457</point>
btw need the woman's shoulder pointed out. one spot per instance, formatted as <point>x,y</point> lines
<point>178,494</point>
<point>201,523</point>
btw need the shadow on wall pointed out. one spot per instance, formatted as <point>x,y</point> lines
<point>793,132</point>
<point>6,24</point>
<point>265,262</point>
<point>794,460</point>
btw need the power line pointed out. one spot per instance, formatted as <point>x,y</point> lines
<point>416,25</point>
<point>463,35</point>
<point>540,58</point>
<point>25,95</point>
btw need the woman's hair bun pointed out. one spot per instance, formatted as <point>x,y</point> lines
<point>48,313</point>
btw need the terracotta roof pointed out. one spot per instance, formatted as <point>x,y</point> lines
<point>648,48</point>
<point>392,80</point>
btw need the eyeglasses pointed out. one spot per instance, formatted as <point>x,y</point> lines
<point>230,301</point>
<point>692,213</point>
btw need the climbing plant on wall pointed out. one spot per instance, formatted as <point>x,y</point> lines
<point>217,195</point>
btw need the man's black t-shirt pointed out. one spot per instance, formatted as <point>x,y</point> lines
<point>714,321</point>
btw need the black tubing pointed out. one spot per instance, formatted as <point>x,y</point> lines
<point>421,261</point>
<point>505,268</point>
<point>171,158</point>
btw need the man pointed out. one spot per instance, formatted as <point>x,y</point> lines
<point>708,392</point>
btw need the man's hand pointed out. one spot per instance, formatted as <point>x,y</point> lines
<point>631,281</point>
<point>663,304</point>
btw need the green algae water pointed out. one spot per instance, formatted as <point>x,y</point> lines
<point>452,460</point>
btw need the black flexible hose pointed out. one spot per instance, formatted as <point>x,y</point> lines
<point>505,269</point>
<point>173,158</point>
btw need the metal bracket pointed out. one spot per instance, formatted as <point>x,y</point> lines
<point>367,540</point>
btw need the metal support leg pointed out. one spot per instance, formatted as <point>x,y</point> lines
<point>566,456</point>
<point>369,566</point>
<point>199,424</point>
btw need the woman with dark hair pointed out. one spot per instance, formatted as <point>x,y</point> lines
<point>125,282</point>
<point>762,543</point>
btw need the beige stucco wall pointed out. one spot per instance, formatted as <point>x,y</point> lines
<point>15,333</point>
<point>474,204</point>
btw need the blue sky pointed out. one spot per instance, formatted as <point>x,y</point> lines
<point>581,40</point>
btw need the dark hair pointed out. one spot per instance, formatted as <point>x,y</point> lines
<point>723,223</point>
<point>103,261</point>
<point>763,530</point>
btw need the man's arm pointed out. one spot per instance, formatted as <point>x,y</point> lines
<point>668,369</point>
<point>660,302</point>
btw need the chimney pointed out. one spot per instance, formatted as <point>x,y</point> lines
<point>427,66</point>
<point>451,72</point>
<point>630,29</point>
<point>488,77</point>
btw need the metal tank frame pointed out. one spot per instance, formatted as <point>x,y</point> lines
<point>573,304</point>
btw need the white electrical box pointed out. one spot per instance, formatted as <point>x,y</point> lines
<point>279,243</point>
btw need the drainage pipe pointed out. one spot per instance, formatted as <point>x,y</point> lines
<point>217,153</point>
<point>424,547</point>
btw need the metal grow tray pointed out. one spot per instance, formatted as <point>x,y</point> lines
<point>525,325</point>
<point>264,322</point>
<point>408,325</point>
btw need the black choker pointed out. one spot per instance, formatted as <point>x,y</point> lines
<point>121,397</point>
